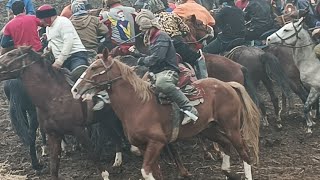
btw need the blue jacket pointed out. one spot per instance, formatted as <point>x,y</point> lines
<point>27,3</point>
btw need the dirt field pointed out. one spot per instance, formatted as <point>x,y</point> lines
<point>286,154</point>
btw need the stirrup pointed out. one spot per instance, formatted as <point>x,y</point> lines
<point>188,117</point>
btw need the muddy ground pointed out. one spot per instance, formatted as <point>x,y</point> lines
<point>285,154</point>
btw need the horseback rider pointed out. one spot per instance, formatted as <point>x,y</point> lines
<point>258,13</point>
<point>120,22</point>
<point>316,35</point>
<point>162,61</point>
<point>67,12</point>
<point>230,20</point>
<point>64,41</point>
<point>21,30</point>
<point>191,7</point>
<point>28,6</point>
<point>88,27</point>
<point>174,26</point>
<point>303,5</point>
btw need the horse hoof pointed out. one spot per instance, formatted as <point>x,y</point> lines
<point>118,160</point>
<point>309,131</point>
<point>279,126</point>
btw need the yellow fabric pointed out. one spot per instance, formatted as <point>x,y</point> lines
<point>172,24</point>
<point>192,8</point>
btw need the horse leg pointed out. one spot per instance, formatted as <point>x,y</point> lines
<point>83,138</point>
<point>274,99</point>
<point>207,154</point>
<point>174,155</point>
<point>263,112</point>
<point>55,154</point>
<point>150,158</point>
<point>33,126</point>
<point>312,97</point>
<point>44,146</point>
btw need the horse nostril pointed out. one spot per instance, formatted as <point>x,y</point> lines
<point>75,90</point>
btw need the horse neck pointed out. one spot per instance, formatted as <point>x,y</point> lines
<point>41,86</point>
<point>304,55</point>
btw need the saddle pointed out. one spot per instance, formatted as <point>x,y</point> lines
<point>186,78</point>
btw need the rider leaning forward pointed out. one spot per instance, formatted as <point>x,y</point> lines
<point>162,61</point>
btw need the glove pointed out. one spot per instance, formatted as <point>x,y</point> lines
<point>140,61</point>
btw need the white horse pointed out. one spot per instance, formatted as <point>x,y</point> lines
<point>293,35</point>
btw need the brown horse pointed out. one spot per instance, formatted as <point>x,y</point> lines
<point>58,112</point>
<point>227,115</point>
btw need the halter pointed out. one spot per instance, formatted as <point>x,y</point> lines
<point>107,84</point>
<point>295,34</point>
<point>24,65</point>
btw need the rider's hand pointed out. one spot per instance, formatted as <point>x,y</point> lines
<point>132,49</point>
<point>57,64</point>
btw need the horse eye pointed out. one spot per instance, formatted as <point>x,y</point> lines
<point>286,30</point>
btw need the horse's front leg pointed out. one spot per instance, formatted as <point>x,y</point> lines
<point>82,136</point>
<point>312,97</point>
<point>174,155</point>
<point>150,165</point>
<point>33,126</point>
<point>55,154</point>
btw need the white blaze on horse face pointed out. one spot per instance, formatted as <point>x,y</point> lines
<point>225,162</point>
<point>117,160</point>
<point>247,171</point>
<point>74,93</point>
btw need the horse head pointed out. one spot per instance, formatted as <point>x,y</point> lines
<point>14,62</point>
<point>199,30</point>
<point>288,35</point>
<point>98,76</point>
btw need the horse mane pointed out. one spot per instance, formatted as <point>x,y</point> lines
<point>56,74</point>
<point>141,87</point>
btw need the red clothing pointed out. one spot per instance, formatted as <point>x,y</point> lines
<point>23,31</point>
<point>242,4</point>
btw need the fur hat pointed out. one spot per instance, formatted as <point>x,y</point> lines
<point>45,11</point>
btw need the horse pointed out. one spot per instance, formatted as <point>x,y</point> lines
<point>295,36</point>
<point>23,116</point>
<point>285,56</point>
<point>58,113</point>
<point>227,113</point>
<point>256,66</point>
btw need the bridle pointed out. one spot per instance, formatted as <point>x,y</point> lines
<point>295,34</point>
<point>24,65</point>
<point>105,84</point>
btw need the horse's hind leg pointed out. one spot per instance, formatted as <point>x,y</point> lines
<point>312,97</point>
<point>174,155</point>
<point>150,165</point>
<point>44,146</point>
<point>263,112</point>
<point>55,153</point>
<point>274,99</point>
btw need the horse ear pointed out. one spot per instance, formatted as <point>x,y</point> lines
<point>301,20</point>
<point>193,18</point>
<point>105,53</point>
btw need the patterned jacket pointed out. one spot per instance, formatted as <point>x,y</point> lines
<point>172,24</point>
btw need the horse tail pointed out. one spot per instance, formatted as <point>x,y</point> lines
<point>273,69</point>
<point>250,119</point>
<point>16,96</point>
<point>248,84</point>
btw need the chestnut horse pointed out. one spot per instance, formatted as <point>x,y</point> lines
<point>227,115</point>
<point>58,112</point>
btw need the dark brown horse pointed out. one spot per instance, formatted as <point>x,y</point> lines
<point>227,108</point>
<point>58,112</point>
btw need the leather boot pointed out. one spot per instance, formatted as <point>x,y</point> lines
<point>201,68</point>
<point>191,113</point>
<point>102,98</point>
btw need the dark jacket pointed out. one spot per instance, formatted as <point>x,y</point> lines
<point>260,14</point>
<point>163,55</point>
<point>230,21</point>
